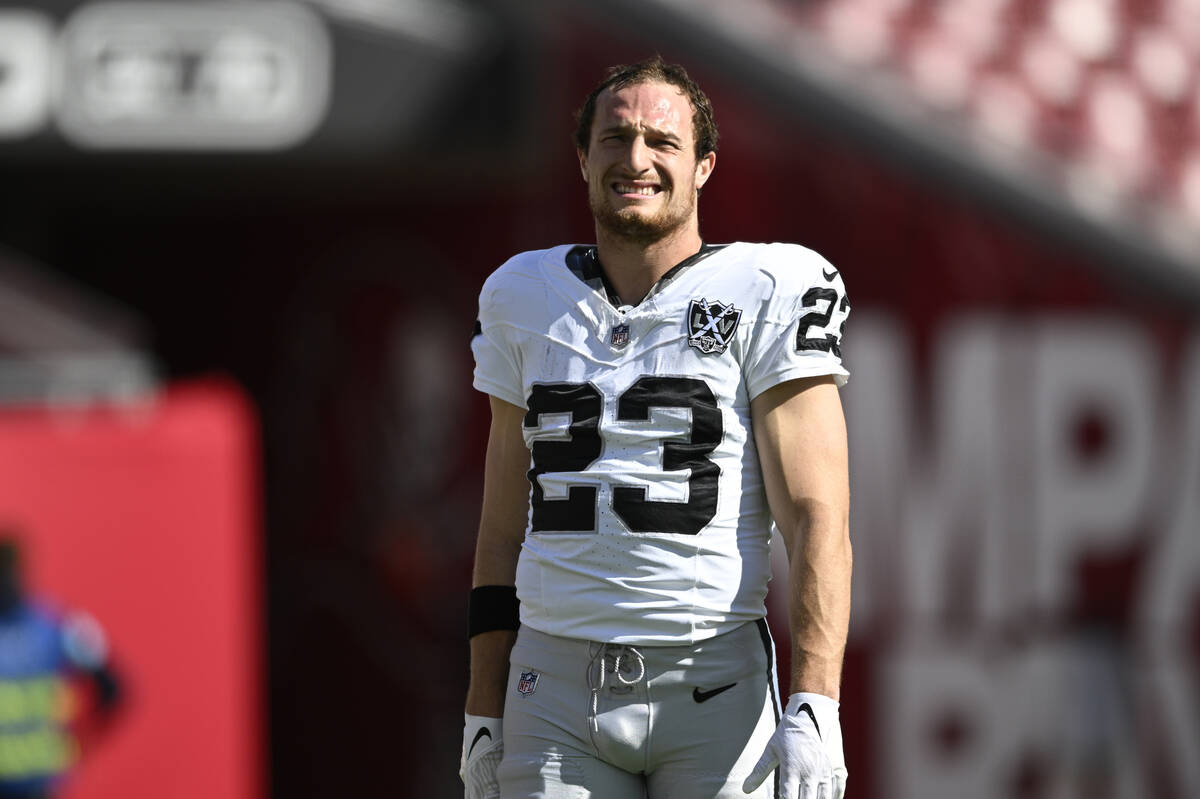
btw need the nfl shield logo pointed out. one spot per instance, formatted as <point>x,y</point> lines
<point>711,325</point>
<point>620,336</point>
<point>528,683</point>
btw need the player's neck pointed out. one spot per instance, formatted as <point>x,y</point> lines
<point>632,268</point>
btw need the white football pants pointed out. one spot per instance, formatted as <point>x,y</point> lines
<point>605,721</point>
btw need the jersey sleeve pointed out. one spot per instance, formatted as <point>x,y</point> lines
<point>497,367</point>
<point>800,331</point>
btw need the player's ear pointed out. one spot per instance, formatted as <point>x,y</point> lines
<point>582,163</point>
<point>704,168</point>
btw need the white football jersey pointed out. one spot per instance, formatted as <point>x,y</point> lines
<point>648,519</point>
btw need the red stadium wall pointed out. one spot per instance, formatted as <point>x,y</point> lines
<point>147,518</point>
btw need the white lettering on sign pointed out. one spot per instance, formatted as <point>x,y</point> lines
<point>1103,372</point>
<point>193,76</point>
<point>1036,442</point>
<point>965,719</point>
<point>26,53</point>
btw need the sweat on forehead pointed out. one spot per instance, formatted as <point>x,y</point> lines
<point>656,105</point>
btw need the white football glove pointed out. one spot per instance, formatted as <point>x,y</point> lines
<point>483,746</point>
<point>807,749</point>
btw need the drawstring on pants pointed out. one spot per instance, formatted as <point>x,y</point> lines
<point>618,655</point>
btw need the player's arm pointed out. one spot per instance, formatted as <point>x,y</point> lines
<point>501,531</point>
<point>801,437</point>
<point>800,433</point>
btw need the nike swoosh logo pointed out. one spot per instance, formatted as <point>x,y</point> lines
<point>829,275</point>
<point>704,696</point>
<point>482,732</point>
<point>808,709</point>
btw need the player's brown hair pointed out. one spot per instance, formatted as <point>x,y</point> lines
<point>652,70</point>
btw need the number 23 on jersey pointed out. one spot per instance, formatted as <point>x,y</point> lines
<point>582,446</point>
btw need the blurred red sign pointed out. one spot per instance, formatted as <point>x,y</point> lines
<point>148,518</point>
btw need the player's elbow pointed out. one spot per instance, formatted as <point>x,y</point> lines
<point>815,521</point>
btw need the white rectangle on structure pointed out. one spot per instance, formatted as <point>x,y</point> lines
<point>26,58</point>
<point>193,76</point>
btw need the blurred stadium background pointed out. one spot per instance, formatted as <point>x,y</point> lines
<point>240,246</point>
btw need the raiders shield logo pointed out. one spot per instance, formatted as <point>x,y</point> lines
<point>711,325</point>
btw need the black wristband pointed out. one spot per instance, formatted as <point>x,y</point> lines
<point>492,607</point>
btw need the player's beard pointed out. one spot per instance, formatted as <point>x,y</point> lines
<point>630,224</point>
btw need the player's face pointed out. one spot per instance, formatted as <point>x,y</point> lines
<point>641,166</point>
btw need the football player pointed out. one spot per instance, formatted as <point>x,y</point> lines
<point>656,403</point>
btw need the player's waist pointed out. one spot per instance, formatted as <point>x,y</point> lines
<point>733,651</point>
<point>675,625</point>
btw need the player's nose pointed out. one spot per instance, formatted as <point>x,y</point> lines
<point>637,156</point>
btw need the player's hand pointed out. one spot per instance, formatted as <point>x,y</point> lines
<point>807,750</point>
<point>483,746</point>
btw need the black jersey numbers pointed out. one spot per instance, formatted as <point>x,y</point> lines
<point>577,512</point>
<point>584,403</point>
<point>646,516</point>
<point>820,318</point>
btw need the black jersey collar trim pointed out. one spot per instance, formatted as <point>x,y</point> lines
<point>583,261</point>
